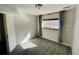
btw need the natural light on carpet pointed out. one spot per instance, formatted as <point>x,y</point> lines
<point>26,44</point>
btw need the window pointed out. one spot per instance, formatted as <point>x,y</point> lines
<point>52,24</point>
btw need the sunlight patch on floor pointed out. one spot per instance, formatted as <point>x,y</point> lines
<point>27,45</point>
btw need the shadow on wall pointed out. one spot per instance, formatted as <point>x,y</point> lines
<point>25,44</point>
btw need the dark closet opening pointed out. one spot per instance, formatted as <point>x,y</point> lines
<point>3,45</point>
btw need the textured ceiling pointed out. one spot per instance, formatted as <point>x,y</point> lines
<point>31,9</point>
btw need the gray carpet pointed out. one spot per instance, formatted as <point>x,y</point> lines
<point>43,47</point>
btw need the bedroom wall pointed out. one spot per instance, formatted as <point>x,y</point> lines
<point>68,27</point>
<point>25,25</point>
<point>11,31</point>
<point>75,43</point>
<point>20,26</point>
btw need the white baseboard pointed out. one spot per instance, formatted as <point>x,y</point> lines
<point>66,44</point>
<point>57,42</point>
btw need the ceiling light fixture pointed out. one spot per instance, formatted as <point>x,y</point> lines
<point>38,6</point>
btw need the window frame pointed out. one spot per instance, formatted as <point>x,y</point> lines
<point>50,20</point>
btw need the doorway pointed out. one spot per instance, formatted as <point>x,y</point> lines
<point>3,45</point>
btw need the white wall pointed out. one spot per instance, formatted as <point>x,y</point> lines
<point>18,27</point>
<point>50,34</point>
<point>24,25</point>
<point>75,46</point>
<point>11,31</point>
<point>50,16</point>
<point>68,27</point>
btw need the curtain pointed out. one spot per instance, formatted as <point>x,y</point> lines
<point>61,14</point>
<point>40,25</point>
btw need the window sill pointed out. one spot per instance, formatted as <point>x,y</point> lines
<point>50,29</point>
